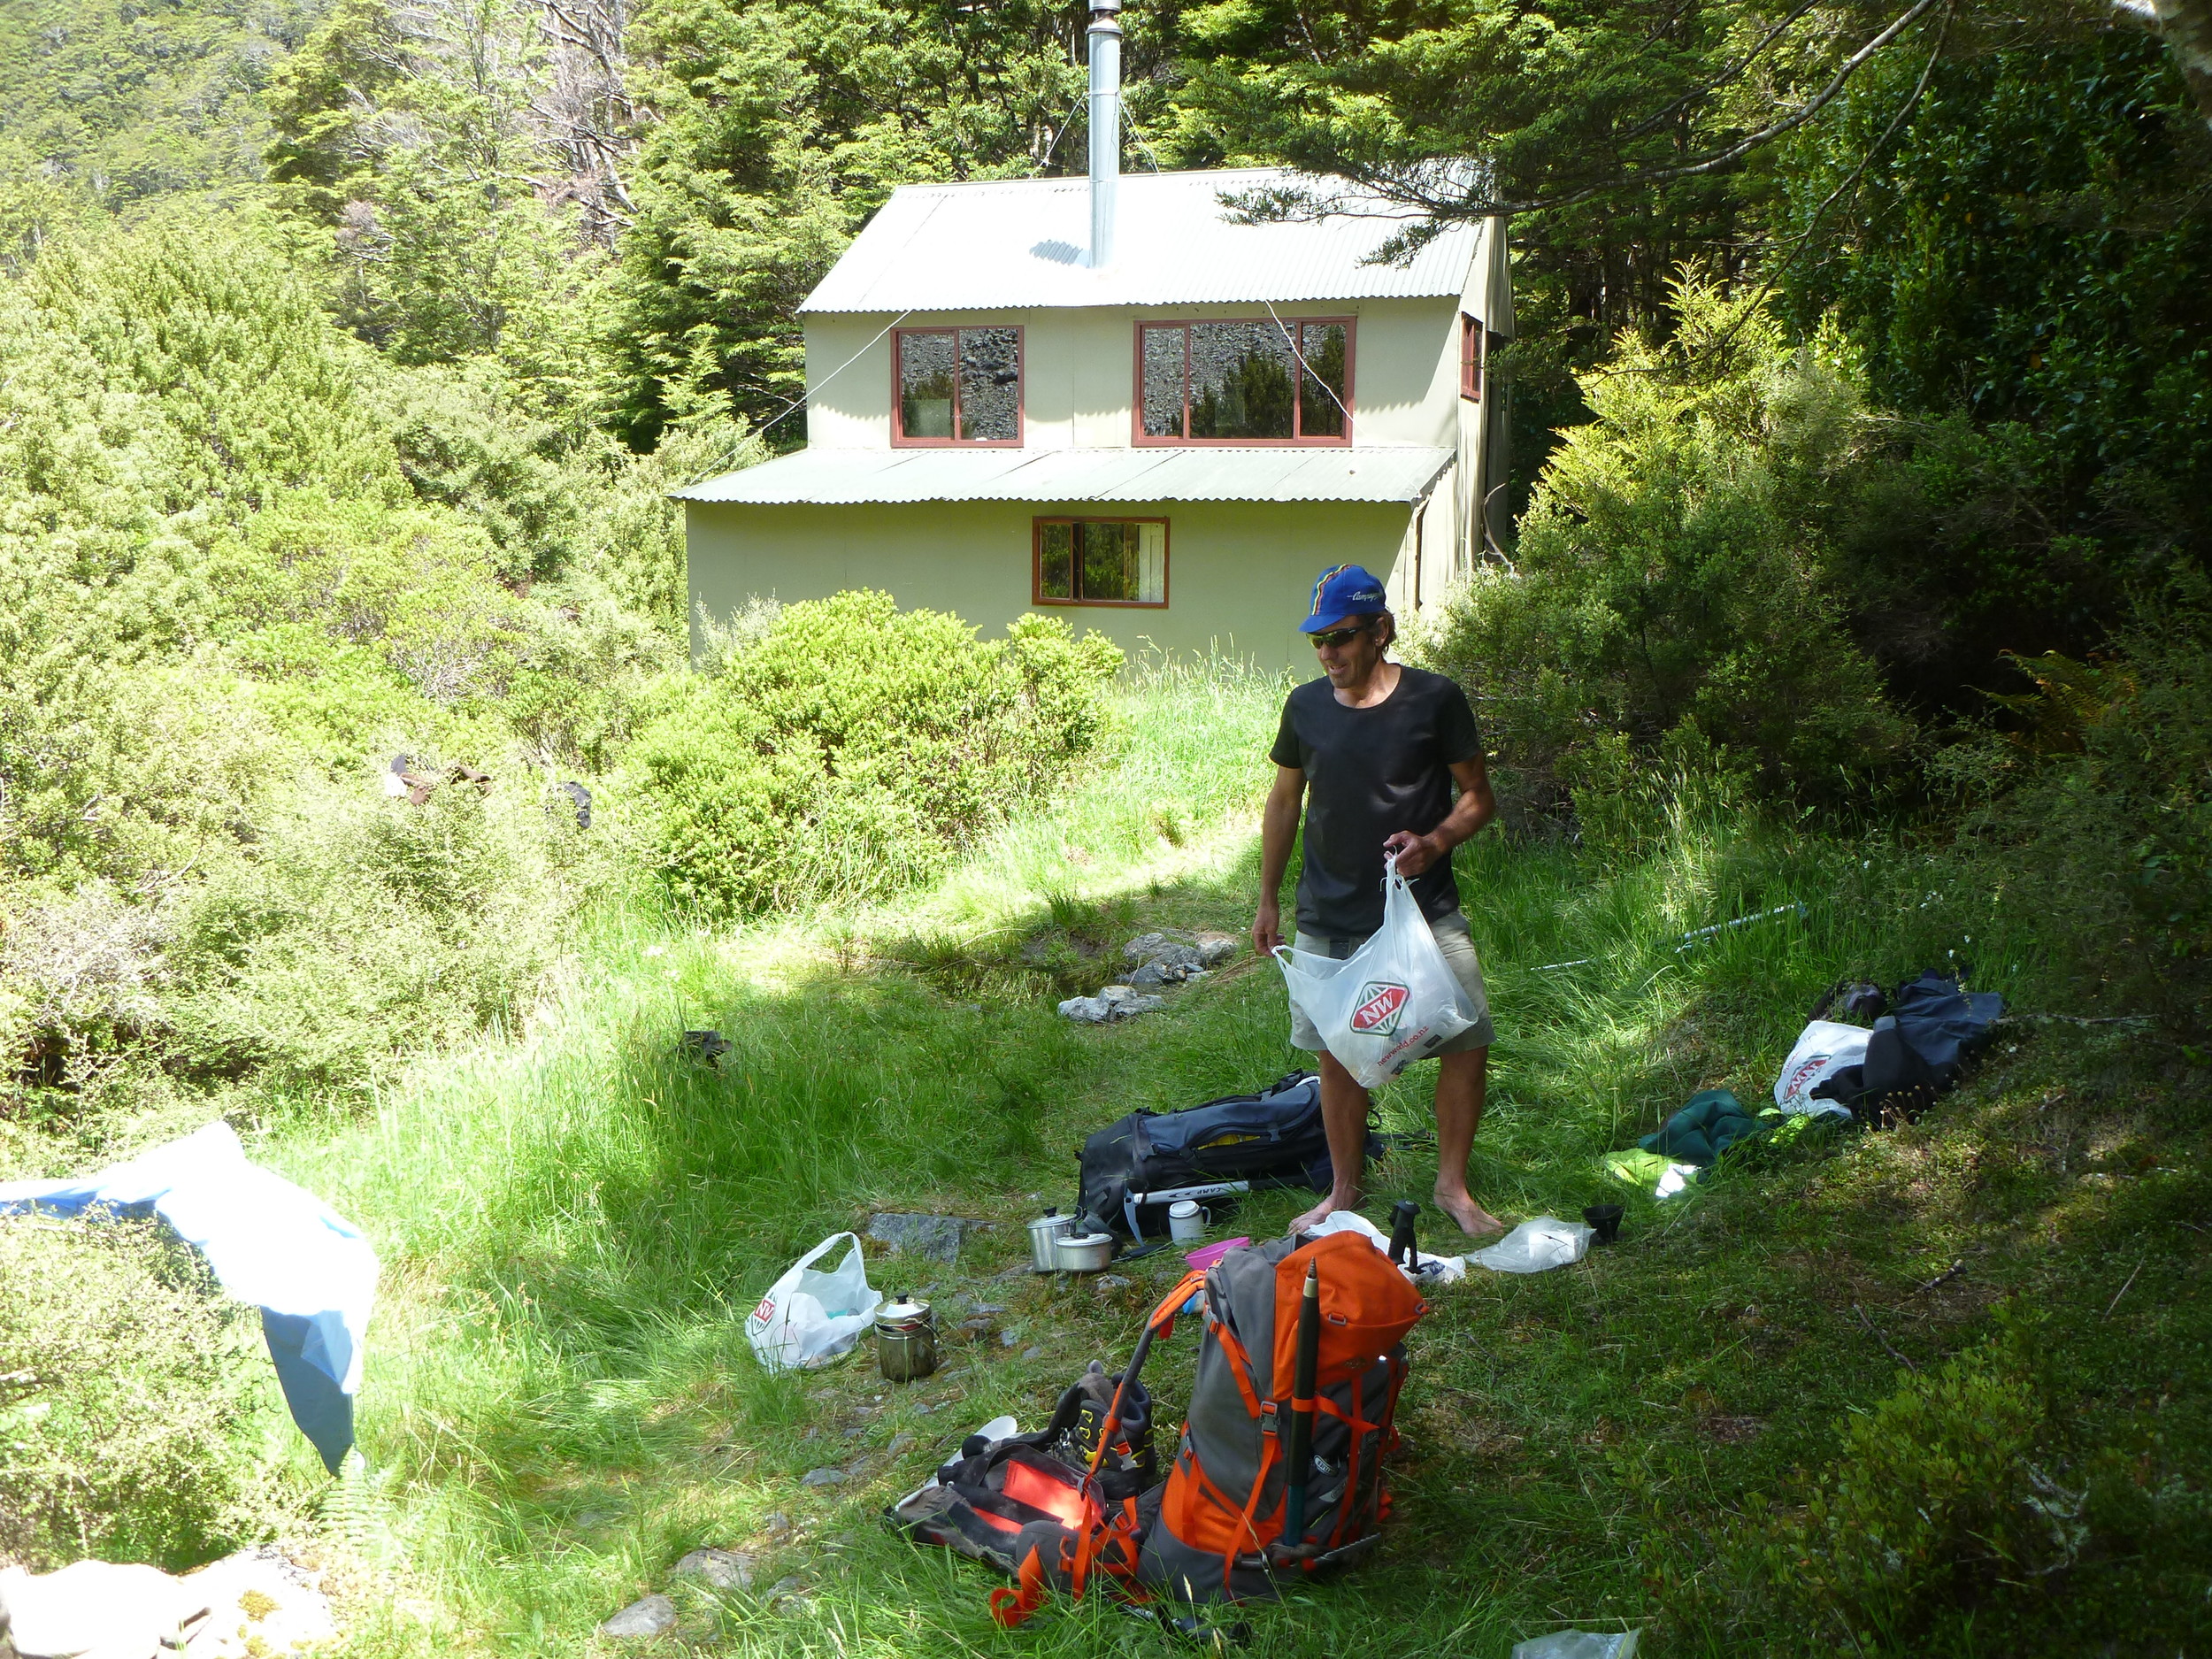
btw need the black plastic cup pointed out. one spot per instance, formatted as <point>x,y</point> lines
<point>1606,1219</point>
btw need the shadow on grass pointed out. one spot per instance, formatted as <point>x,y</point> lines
<point>564,1401</point>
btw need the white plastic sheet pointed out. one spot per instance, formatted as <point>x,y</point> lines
<point>1824,1048</point>
<point>1440,1269</point>
<point>1392,1001</point>
<point>1579,1644</point>
<point>1536,1245</point>
<point>309,1270</point>
<point>811,1315</point>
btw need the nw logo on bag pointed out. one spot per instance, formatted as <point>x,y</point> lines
<point>766,1311</point>
<point>1380,1002</point>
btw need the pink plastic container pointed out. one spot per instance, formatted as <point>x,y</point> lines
<point>1207,1255</point>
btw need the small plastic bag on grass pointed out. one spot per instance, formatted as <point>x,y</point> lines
<point>810,1315</point>
<point>1542,1243</point>
<point>1579,1644</point>
<point>1392,1001</point>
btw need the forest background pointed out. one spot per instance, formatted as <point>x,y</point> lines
<point>1863,403</point>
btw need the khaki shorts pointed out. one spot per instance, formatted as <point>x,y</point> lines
<point>1458,945</point>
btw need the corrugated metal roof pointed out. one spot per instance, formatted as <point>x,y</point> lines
<point>834,476</point>
<point>1019,243</point>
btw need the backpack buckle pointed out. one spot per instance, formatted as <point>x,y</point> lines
<point>1267,1417</point>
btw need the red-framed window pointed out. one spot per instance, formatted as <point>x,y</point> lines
<point>1245,381</point>
<point>1098,561</point>
<point>1474,355</point>
<point>956,386</point>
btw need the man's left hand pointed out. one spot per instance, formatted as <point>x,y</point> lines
<point>1414,853</point>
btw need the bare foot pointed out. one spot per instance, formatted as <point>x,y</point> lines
<point>1321,1212</point>
<point>1474,1220</point>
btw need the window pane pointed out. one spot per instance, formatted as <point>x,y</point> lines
<point>1055,561</point>
<point>1239,380</point>
<point>1162,408</point>
<point>990,383</point>
<point>1110,561</point>
<point>1151,563</point>
<point>926,364</point>
<point>1319,414</point>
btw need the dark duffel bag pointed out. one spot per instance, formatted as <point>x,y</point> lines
<point>1273,1137</point>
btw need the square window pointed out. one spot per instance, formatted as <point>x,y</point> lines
<point>957,386</point>
<point>1100,561</point>
<point>1259,380</point>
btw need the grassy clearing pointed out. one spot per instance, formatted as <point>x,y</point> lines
<point>560,1400</point>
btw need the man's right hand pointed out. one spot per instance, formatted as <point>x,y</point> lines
<point>1267,927</point>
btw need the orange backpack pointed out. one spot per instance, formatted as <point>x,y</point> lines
<point>1213,1531</point>
<point>1220,1533</point>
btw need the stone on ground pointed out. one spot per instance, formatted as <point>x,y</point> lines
<point>257,1602</point>
<point>646,1617</point>
<point>1116,1001</point>
<point>716,1568</point>
<point>826,1477</point>
<point>936,1237</point>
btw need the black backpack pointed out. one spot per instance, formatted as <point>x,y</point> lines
<point>1273,1137</point>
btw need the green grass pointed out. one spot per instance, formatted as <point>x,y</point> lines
<point>560,1400</point>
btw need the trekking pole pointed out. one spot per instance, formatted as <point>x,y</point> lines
<point>1302,1408</point>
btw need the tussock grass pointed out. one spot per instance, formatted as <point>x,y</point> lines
<point>560,1400</point>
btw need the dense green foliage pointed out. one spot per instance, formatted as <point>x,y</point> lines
<point>350,350</point>
<point>853,745</point>
<point>135,1399</point>
<point>1678,569</point>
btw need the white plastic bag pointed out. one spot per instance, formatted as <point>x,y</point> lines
<point>1544,1241</point>
<point>1392,1001</point>
<point>810,1316</point>
<point>1824,1048</point>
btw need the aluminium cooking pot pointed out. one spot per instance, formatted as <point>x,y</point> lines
<point>1083,1252</point>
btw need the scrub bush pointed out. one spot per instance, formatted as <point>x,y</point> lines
<point>853,746</point>
<point>1673,573</point>
<point>133,1399</point>
<point>359,927</point>
<point>2097,817</point>
<point>1938,1494</point>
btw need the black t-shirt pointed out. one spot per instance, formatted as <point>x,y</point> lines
<point>1370,772</point>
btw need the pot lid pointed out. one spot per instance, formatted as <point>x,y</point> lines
<point>906,1308</point>
<point>1086,1238</point>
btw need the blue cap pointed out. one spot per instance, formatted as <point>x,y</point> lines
<point>1341,591</point>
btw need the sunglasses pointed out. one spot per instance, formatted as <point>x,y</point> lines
<point>1339,636</point>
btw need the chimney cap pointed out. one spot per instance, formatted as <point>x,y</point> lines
<point>1104,8</point>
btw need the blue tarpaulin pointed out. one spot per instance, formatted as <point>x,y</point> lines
<point>273,1244</point>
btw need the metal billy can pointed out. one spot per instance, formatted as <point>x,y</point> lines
<point>906,1339</point>
<point>1045,1233</point>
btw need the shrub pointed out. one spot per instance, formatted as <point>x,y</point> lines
<point>1673,571</point>
<point>360,926</point>
<point>1935,1495</point>
<point>133,1400</point>
<point>2097,819</point>
<point>853,745</point>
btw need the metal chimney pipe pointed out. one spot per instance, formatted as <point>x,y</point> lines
<point>1105,109</point>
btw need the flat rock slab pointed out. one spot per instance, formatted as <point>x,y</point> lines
<point>936,1237</point>
<point>821,1477</point>
<point>716,1568</point>
<point>648,1616</point>
<point>256,1602</point>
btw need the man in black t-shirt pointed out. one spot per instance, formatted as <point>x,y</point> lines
<point>1373,753</point>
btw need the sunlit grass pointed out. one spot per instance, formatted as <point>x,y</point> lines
<point>560,1400</point>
